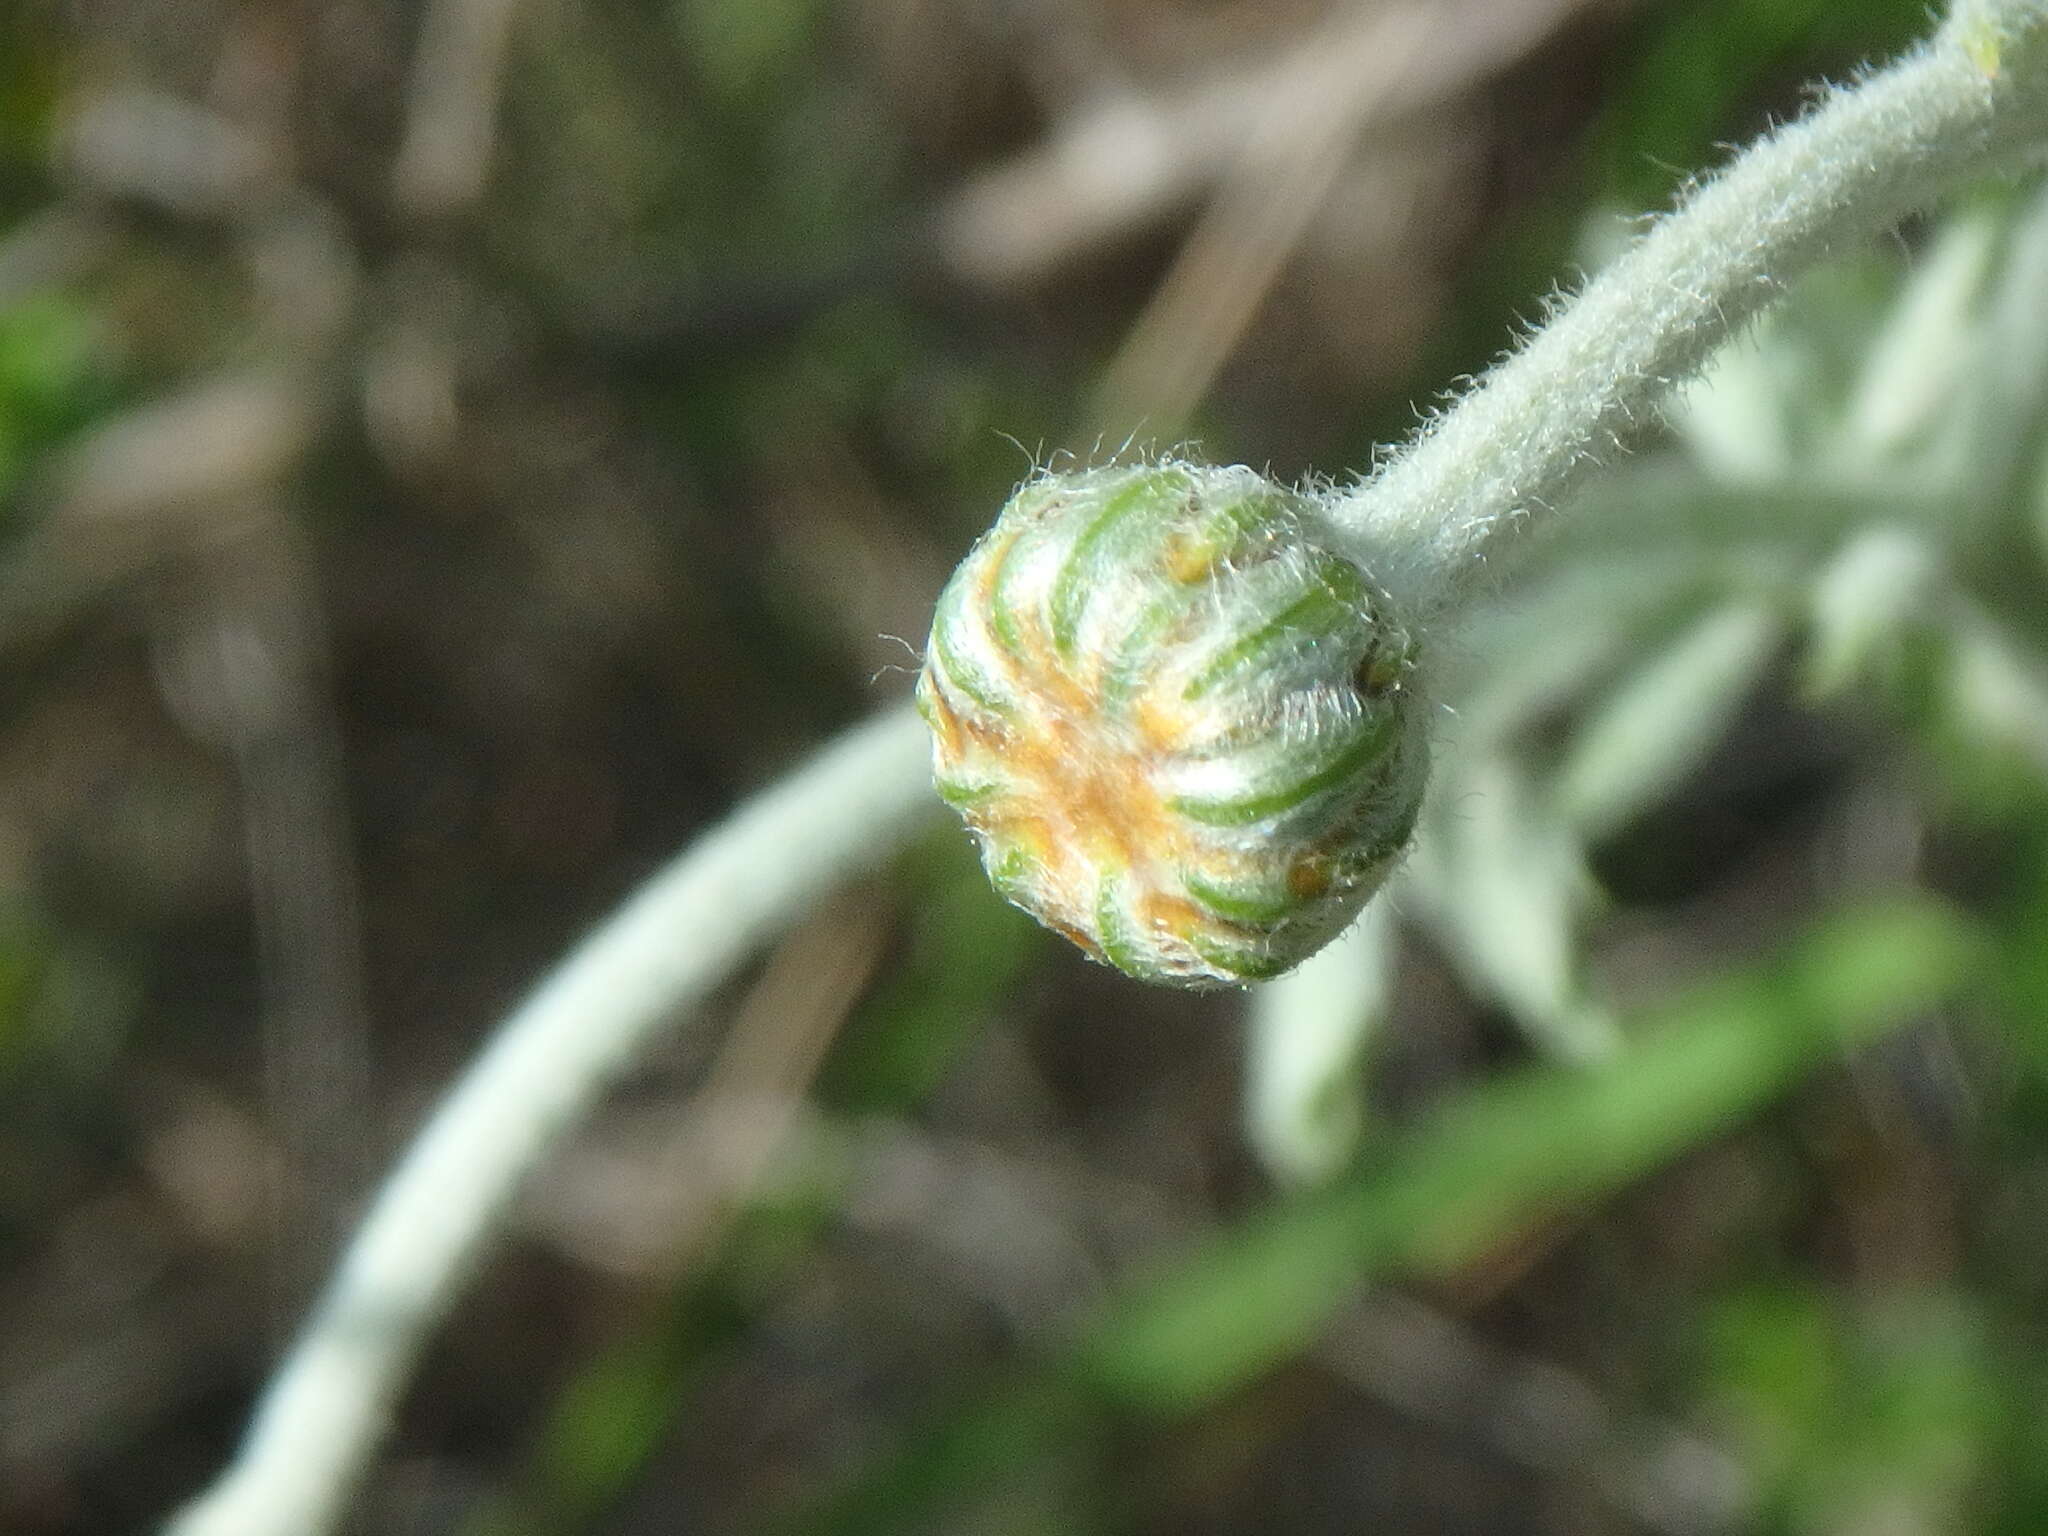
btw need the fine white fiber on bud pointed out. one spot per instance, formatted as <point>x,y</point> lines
<point>1184,729</point>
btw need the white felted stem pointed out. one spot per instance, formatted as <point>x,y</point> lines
<point>1425,526</point>
<point>1491,466</point>
<point>680,935</point>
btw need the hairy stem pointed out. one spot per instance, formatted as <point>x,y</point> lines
<point>1490,468</point>
<point>330,1400</point>
<point>1428,522</point>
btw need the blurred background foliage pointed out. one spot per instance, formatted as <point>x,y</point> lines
<point>451,449</point>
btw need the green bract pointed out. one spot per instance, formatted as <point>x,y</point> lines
<point>1183,728</point>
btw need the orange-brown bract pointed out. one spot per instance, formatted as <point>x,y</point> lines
<point>1184,730</point>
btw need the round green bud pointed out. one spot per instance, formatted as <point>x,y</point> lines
<point>1183,728</point>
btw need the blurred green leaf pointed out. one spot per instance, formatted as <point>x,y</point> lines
<point>1502,1156</point>
<point>24,954</point>
<point>618,1409</point>
<point>1664,717</point>
<point>1999,694</point>
<point>740,49</point>
<point>31,79</point>
<point>1505,884</point>
<point>1515,1150</point>
<point>2004,394</point>
<point>1685,73</point>
<point>1898,417</point>
<point>1870,612</point>
<point>964,951</point>
<point>53,377</point>
<point>1855,1417</point>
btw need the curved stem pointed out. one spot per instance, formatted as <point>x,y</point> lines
<point>330,1401</point>
<point>1486,470</point>
<point>1429,521</point>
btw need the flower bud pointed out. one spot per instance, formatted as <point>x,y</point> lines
<point>1183,728</point>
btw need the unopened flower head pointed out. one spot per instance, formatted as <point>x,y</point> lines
<point>1184,730</point>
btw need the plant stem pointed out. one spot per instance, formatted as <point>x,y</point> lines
<point>330,1401</point>
<point>1428,523</point>
<point>1435,517</point>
